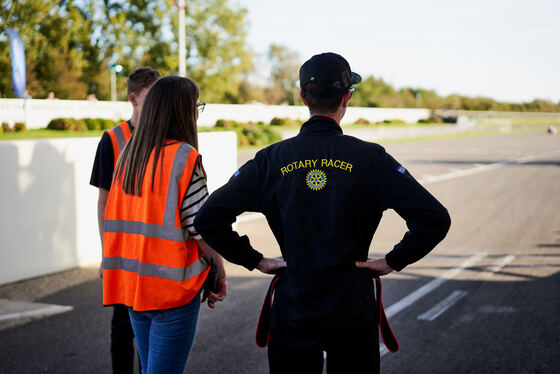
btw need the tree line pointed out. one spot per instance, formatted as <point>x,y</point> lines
<point>70,45</point>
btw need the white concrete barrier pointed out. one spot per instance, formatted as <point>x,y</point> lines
<point>49,211</point>
<point>37,113</point>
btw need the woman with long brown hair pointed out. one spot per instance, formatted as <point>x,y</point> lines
<point>154,262</point>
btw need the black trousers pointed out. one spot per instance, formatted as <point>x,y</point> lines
<point>344,324</point>
<point>351,354</point>
<point>122,342</point>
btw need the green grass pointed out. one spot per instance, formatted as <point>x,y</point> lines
<point>521,127</point>
<point>393,125</point>
<point>520,121</point>
<point>469,134</point>
<point>532,129</point>
<point>44,134</point>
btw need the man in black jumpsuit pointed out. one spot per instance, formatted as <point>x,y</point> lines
<point>323,194</point>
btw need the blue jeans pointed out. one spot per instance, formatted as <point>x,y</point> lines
<point>165,337</point>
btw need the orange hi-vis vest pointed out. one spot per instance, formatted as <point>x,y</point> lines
<point>147,264</point>
<point>119,137</point>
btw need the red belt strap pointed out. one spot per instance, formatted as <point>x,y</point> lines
<point>389,338</point>
<point>263,333</point>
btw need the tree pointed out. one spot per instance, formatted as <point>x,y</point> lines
<point>144,33</point>
<point>217,54</point>
<point>26,16</point>
<point>56,36</point>
<point>70,47</point>
<point>373,92</point>
<point>284,72</point>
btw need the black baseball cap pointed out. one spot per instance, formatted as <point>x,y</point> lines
<point>332,74</point>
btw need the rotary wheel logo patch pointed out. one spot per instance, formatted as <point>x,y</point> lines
<point>316,179</point>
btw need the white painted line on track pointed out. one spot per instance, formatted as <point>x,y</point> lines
<point>413,297</point>
<point>440,308</point>
<point>500,264</point>
<point>47,310</point>
<point>501,309</point>
<point>435,283</point>
<point>483,168</point>
<point>427,179</point>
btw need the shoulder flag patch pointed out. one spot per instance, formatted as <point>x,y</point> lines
<point>237,172</point>
<point>401,169</point>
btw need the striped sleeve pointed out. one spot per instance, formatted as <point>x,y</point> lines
<point>195,197</point>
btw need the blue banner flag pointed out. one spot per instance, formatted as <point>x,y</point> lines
<point>17,53</point>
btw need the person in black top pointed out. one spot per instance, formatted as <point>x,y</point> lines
<point>122,336</point>
<point>323,194</point>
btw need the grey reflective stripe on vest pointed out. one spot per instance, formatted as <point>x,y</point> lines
<point>167,230</point>
<point>148,230</point>
<point>121,142</point>
<point>171,202</point>
<point>151,270</point>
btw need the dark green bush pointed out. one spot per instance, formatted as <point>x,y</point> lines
<point>77,125</point>
<point>5,127</point>
<point>433,118</point>
<point>92,123</point>
<point>228,124</point>
<point>19,126</point>
<point>249,133</point>
<point>394,122</point>
<point>258,135</point>
<point>72,124</point>
<point>362,121</point>
<point>59,124</point>
<point>100,123</point>
<point>107,124</point>
<point>276,121</point>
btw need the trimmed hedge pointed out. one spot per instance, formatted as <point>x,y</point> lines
<point>72,124</point>
<point>18,127</point>
<point>433,118</point>
<point>248,133</point>
<point>363,121</point>
<point>100,123</point>
<point>276,121</point>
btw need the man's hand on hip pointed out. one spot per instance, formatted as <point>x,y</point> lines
<point>271,265</point>
<point>379,265</point>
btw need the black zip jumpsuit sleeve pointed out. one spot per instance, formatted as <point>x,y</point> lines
<point>214,221</point>
<point>427,220</point>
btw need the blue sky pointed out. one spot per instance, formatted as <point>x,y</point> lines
<point>507,50</point>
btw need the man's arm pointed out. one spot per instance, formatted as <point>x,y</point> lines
<point>426,218</point>
<point>101,177</point>
<point>101,203</point>
<point>214,221</point>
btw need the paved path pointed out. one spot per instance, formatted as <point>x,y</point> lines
<point>484,301</point>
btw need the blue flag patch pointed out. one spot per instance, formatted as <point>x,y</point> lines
<point>236,173</point>
<point>401,169</point>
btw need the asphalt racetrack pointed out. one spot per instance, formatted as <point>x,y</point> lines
<point>486,300</point>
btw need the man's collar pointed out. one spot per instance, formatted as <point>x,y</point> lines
<point>319,124</point>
